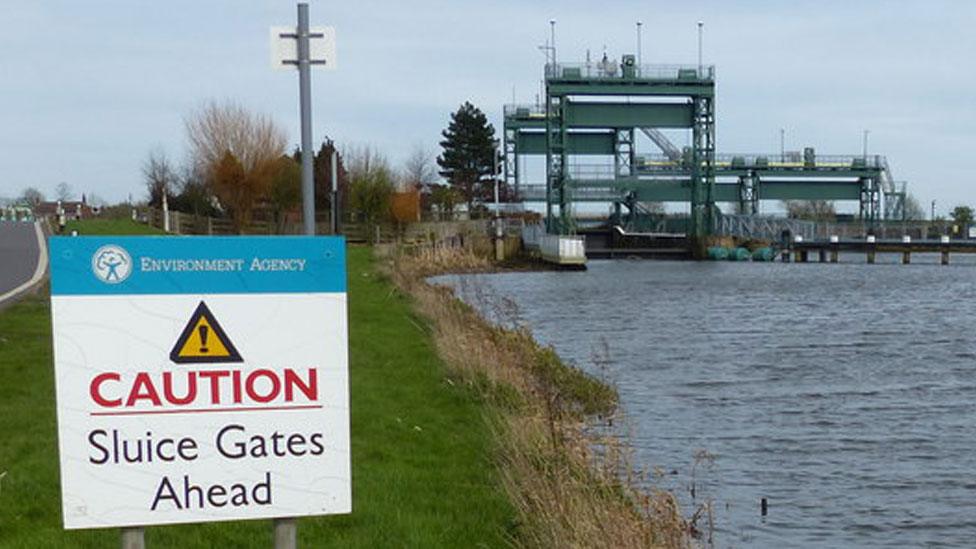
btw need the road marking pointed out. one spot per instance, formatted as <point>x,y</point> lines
<point>38,272</point>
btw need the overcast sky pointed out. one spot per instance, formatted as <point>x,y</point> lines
<point>89,88</point>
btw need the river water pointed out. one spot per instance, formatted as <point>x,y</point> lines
<point>844,394</point>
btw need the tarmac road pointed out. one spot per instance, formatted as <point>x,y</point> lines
<point>20,250</point>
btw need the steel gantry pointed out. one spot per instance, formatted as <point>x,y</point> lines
<point>595,110</point>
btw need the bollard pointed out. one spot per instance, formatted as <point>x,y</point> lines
<point>499,240</point>
<point>871,248</point>
<point>945,249</point>
<point>834,248</point>
<point>801,255</point>
<point>906,254</point>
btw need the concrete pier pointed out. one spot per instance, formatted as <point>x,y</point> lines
<point>871,246</point>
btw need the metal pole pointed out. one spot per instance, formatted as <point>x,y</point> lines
<point>552,40</point>
<point>499,243</point>
<point>133,538</point>
<point>285,529</point>
<point>866,132</point>
<point>701,25</point>
<point>335,192</point>
<point>640,54</point>
<point>782,145</point>
<point>494,171</point>
<point>165,211</point>
<point>305,100</point>
<point>285,533</point>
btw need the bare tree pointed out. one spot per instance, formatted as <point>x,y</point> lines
<point>242,148</point>
<point>160,177</point>
<point>32,196</point>
<point>63,192</point>
<point>913,208</point>
<point>372,183</point>
<point>813,210</point>
<point>254,139</point>
<point>96,201</point>
<point>419,170</point>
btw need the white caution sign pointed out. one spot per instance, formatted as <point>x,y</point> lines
<point>200,379</point>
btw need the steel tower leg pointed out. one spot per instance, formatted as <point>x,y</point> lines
<point>702,174</point>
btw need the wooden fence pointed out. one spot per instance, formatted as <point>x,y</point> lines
<point>356,232</point>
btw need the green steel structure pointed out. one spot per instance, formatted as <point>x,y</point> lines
<point>596,109</point>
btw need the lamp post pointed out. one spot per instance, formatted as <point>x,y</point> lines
<point>782,145</point>
<point>552,40</point>
<point>640,54</point>
<point>701,26</point>
<point>499,242</point>
<point>866,132</point>
<point>494,168</point>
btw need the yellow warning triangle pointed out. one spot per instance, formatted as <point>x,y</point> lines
<point>203,340</point>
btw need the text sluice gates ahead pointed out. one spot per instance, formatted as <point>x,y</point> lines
<point>200,379</point>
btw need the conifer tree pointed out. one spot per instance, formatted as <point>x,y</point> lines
<point>467,155</point>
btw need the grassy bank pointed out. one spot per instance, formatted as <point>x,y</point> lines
<point>424,473</point>
<point>568,474</point>
<point>117,226</point>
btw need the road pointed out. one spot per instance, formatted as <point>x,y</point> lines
<point>23,258</point>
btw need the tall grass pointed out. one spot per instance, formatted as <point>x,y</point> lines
<point>570,477</point>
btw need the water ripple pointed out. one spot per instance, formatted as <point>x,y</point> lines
<point>842,393</point>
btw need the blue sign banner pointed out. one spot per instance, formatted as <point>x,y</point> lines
<point>141,265</point>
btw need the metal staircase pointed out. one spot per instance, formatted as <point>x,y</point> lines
<point>667,147</point>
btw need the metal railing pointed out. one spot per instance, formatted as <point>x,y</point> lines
<point>753,160</point>
<point>524,110</point>
<point>591,171</point>
<point>532,235</point>
<point>762,227</point>
<point>537,193</point>
<point>611,69</point>
<point>772,228</point>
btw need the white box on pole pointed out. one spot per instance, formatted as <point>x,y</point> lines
<point>322,47</point>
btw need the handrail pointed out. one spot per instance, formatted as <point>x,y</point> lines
<point>610,69</point>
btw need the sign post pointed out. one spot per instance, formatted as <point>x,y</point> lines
<point>304,47</point>
<point>305,102</point>
<point>133,538</point>
<point>201,379</point>
<point>294,47</point>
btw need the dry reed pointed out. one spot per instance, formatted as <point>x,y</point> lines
<point>569,477</point>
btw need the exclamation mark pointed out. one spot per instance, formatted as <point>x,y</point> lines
<point>203,339</point>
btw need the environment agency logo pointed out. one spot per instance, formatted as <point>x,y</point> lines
<point>111,264</point>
